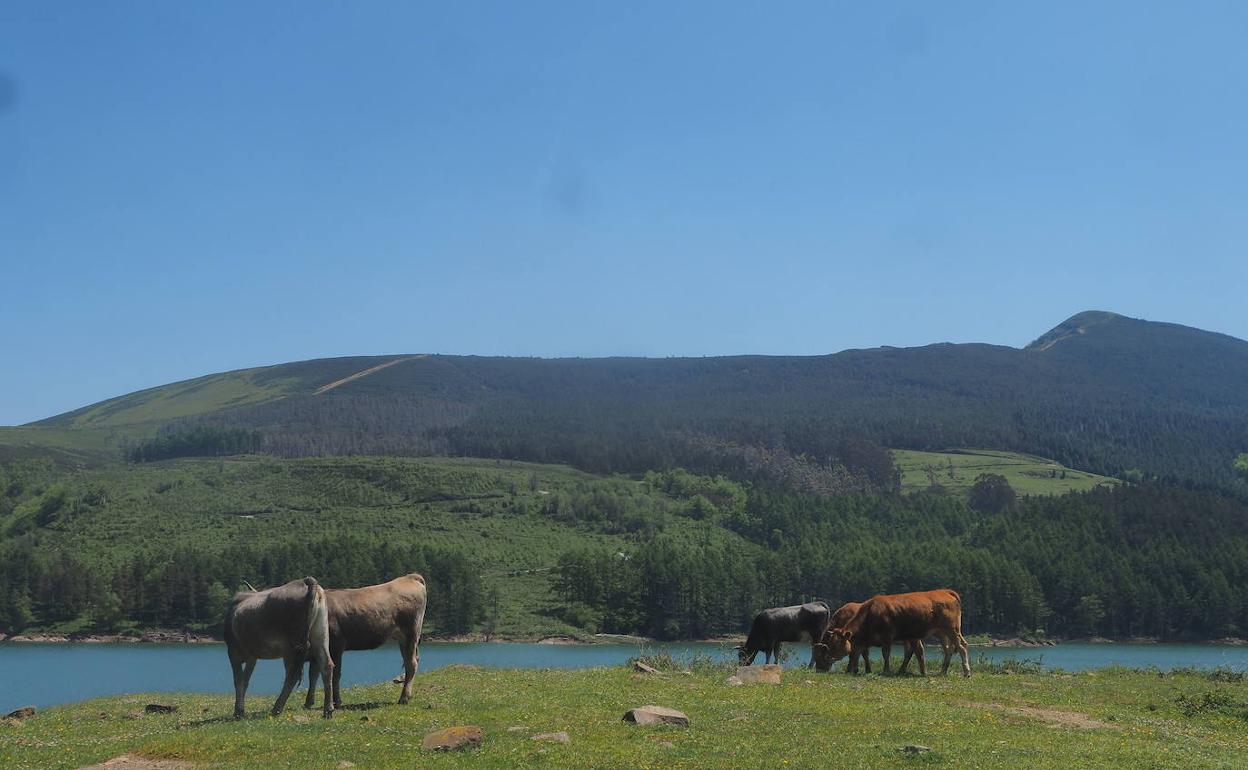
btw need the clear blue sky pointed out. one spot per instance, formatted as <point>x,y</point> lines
<point>188,188</point>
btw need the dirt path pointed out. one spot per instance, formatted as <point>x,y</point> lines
<point>363,374</point>
<point>1054,718</point>
<point>133,762</point>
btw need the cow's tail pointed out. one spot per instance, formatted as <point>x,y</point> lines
<point>318,623</point>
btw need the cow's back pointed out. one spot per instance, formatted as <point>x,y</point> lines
<point>367,617</point>
<point>910,615</point>
<point>263,623</point>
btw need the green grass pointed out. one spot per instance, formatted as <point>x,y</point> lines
<point>1027,474</point>
<point>1120,719</point>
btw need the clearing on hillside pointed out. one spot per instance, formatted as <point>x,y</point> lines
<point>957,469</point>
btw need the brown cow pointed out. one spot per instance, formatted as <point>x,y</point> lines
<point>288,622</point>
<point>881,620</point>
<point>823,653</point>
<point>366,618</point>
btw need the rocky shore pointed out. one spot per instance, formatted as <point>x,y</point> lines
<point>145,637</point>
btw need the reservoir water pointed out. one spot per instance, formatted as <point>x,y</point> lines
<point>48,674</point>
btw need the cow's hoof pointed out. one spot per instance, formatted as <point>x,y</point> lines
<point>403,701</point>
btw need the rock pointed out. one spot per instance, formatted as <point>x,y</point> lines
<point>160,708</point>
<point>25,712</point>
<point>516,729</point>
<point>734,681</point>
<point>134,714</point>
<point>366,718</point>
<point>656,715</point>
<point>344,765</point>
<point>452,738</point>
<point>766,674</point>
<point>300,718</point>
<point>914,748</point>
<point>399,679</point>
<point>559,737</point>
<point>644,668</point>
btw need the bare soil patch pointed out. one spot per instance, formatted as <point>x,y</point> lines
<point>1075,720</point>
<point>135,762</point>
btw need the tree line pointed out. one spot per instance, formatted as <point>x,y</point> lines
<point>1135,561</point>
<point>190,586</point>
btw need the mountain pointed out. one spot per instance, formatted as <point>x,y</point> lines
<point>1100,391</point>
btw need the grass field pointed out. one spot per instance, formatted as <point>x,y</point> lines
<point>1103,719</point>
<point>957,470</point>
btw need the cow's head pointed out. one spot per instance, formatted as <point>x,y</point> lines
<point>745,656</point>
<point>837,643</point>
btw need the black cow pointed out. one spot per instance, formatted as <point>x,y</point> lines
<point>784,624</point>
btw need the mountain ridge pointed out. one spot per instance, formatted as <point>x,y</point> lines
<point>1100,391</point>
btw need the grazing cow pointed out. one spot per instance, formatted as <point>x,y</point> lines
<point>882,620</point>
<point>823,653</point>
<point>290,622</point>
<point>366,618</point>
<point>784,624</point>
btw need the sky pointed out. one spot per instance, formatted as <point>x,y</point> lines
<point>192,188</point>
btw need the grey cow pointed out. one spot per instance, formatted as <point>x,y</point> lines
<point>290,622</point>
<point>801,622</point>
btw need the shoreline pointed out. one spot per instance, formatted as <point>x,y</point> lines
<point>191,637</point>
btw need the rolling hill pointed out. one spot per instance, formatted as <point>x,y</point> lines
<point>1100,392</point>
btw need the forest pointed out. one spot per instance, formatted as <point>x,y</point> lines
<point>1140,559</point>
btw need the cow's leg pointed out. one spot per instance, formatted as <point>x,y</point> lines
<point>328,671</point>
<point>294,669</point>
<point>946,646</point>
<point>964,652</point>
<point>407,646</point>
<point>313,671</point>
<point>241,667</point>
<point>905,661</point>
<point>866,659</point>
<point>887,644</point>
<point>922,656</point>
<point>336,656</point>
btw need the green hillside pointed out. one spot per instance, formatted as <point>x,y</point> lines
<point>957,470</point>
<point>1100,392</point>
<point>513,520</point>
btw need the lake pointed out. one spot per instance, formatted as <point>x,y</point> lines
<point>47,674</point>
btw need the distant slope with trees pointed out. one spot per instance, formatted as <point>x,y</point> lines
<point>1100,392</point>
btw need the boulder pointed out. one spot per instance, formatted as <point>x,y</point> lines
<point>160,708</point>
<point>914,748</point>
<point>734,681</point>
<point>766,674</point>
<point>25,712</point>
<point>559,737</point>
<point>656,715</point>
<point>453,738</point>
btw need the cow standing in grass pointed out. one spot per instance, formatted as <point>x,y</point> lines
<point>366,618</point>
<point>823,654</point>
<point>882,620</point>
<point>288,622</point>
<point>801,622</point>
